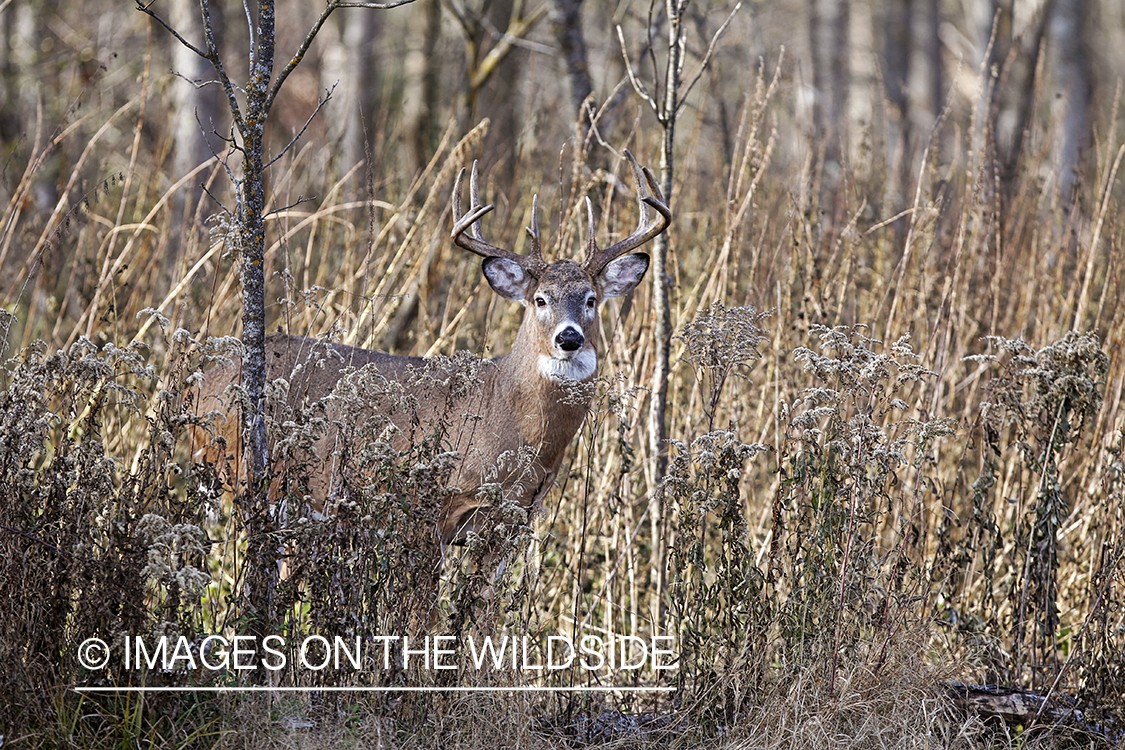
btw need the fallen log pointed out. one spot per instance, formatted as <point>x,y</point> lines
<point>1023,708</point>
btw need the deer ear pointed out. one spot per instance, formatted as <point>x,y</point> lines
<point>621,276</point>
<point>507,278</point>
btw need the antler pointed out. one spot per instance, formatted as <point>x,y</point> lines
<point>473,241</point>
<point>648,226</point>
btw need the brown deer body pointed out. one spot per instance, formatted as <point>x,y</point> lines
<point>513,424</point>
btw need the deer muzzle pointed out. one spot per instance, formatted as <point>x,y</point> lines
<point>569,339</point>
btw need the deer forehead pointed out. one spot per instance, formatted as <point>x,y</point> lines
<point>565,278</point>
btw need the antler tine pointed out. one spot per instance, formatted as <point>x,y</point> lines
<point>591,240</point>
<point>466,229</point>
<point>474,189</point>
<point>649,196</point>
<point>533,230</point>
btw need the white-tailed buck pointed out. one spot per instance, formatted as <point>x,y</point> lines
<point>513,425</point>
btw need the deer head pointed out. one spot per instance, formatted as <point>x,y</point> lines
<point>563,298</point>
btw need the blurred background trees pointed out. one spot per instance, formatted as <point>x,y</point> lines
<point>871,73</point>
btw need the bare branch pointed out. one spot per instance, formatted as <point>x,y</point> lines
<point>211,55</point>
<point>146,9</point>
<point>195,82</point>
<point>517,28</point>
<point>706,62</point>
<point>527,44</point>
<point>637,85</point>
<point>206,189</point>
<point>462,19</point>
<point>300,199</point>
<point>300,54</point>
<point>592,117</point>
<point>221,159</point>
<point>514,35</point>
<point>376,6</point>
<point>226,168</point>
<point>651,51</point>
<point>217,63</point>
<point>249,28</point>
<point>331,6</point>
<point>677,44</point>
<point>319,105</point>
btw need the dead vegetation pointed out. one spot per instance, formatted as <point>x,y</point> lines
<point>892,465</point>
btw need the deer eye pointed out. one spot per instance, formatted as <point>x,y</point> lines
<point>540,302</point>
<point>591,302</point>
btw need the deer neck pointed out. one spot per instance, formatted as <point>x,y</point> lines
<point>548,405</point>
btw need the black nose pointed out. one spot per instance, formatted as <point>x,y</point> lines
<point>569,339</point>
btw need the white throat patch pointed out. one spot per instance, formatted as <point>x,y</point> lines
<point>579,367</point>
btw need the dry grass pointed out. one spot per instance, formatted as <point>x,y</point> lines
<point>852,512</point>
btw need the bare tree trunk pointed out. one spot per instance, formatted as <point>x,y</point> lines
<point>818,54</point>
<point>10,124</point>
<point>567,27</point>
<point>1068,27</point>
<point>197,108</point>
<point>661,281</point>
<point>662,322</point>
<point>423,86</point>
<point>897,18</point>
<point>897,49</point>
<point>32,31</point>
<point>934,56</point>
<point>841,76</point>
<point>828,43</point>
<point>349,70</point>
<point>197,122</point>
<point>666,104</point>
<point>1012,92</point>
<point>492,87</point>
<point>251,223</point>
<point>501,99</point>
<point>828,39</point>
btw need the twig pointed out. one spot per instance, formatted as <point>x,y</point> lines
<point>376,6</point>
<point>146,9</point>
<point>211,195</point>
<point>211,55</point>
<point>299,55</point>
<point>308,40</point>
<point>249,27</point>
<point>300,199</point>
<point>319,105</point>
<point>637,85</point>
<point>706,62</point>
<point>231,144</point>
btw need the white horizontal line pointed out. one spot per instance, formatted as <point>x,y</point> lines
<point>406,689</point>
